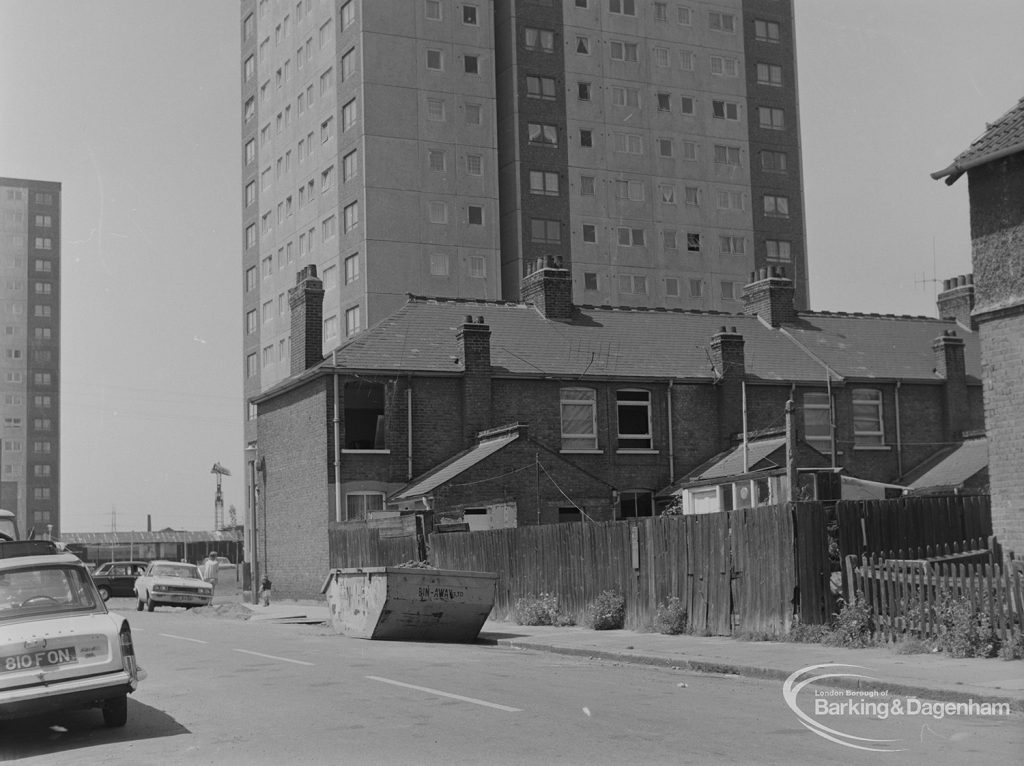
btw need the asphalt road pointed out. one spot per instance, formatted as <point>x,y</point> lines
<point>225,691</point>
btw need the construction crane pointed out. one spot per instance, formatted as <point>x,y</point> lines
<point>218,498</point>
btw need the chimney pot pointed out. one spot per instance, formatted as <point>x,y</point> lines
<point>732,330</point>
<point>479,320</point>
<point>469,319</point>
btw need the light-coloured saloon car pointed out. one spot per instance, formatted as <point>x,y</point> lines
<point>59,646</point>
<point>171,583</point>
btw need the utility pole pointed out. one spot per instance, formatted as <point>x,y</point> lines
<point>218,498</point>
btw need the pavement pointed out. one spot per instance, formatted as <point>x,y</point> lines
<point>929,676</point>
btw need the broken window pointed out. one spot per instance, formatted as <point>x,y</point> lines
<point>364,415</point>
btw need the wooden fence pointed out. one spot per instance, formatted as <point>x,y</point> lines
<point>731,571</point>
<point>353,544</point>
<point>907,597</point>
<point>867,527</point>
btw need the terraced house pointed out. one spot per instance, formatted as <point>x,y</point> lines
<point>539,411</point>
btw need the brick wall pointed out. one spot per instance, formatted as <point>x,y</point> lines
<point>294,507</point>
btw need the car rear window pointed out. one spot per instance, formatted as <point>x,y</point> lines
<point>32,591</point>
<point>175,570</point>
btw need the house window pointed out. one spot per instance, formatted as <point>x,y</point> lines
<point>433,10</point>
<point>348,14</point>
<point>579,418</point>
<point>723,66</point>
<point>358,505</point>
<point>668,239</point>
<point>434,59</point>
<point>330,329</point>
<point>545,231</point>
<point>352,321</point>
<point>589,280</point>
<point>469,15</point>
<point>661,11</point>
<point>727,155</point>
<point>250,68</point>
<point>477,266</point>
<point>328,229</point>
<point>364,415</point>
<point>729,291</point>
<point>251,366</point>
<point>769,74</point>
<point>589,233</point>
<point>587,186</point>
<point>625,96</point>
<point>631,237</point>
<point>348,63</point>
<point>691,195</point>
<point>542,39</point>
<point>775,162</point>
<point>722,22</point>
<point>776,206</point>
<point>471,64</point>
<point>327,179</point>
<point>696,288</point>
<point>435,109</point>
<point>631,190</point>
<point>623,51</point>
<point>867,417</point>
<point>664,147</point>
<point>661,57</point>
<point>671,287</point>
<point>250,321</point>
<point>583,91</point>
<point>436,159</point>
<point>664,102</point>
<point>729,200</point>
<point>778,250</point>
<point>632,284</point>
<point>818,421</point>
<point>635,504</point>
<point>351,269</point>
<point>630,143</point>
<point>351,216</point>
<point>437,211</point>
<point>541,134</point>
<point>622,7</point>
<point>667,194</point>
<point>586,138</point>
<point>766,31</point>
<point>474,164</point>
<point>725,110</point>
<point>326,82</point>
<point>583,45</point>
<point>475,215</point>
<point>693,241</point>
<point>250,193</point>
<point>348,115</point>
<point>686,60</point>
<point>540,87</point>
<point>473,114</point>
<point>732,245</point>
<point>771,118</point>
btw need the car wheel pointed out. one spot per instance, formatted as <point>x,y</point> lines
<point>104,592</point>
<point>138,603</point>
<point>150,606</point>
<point>115,711</point>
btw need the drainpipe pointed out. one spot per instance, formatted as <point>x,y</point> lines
<point>671,443</point>
<point>743,388</point>
<point>899,436</point>
<point>408,430</point>
<point>337,442</point>
<point>831,419</point>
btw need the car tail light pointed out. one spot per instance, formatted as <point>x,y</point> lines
<point>128,653</point>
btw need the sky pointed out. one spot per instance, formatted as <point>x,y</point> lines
<point>133,106</point>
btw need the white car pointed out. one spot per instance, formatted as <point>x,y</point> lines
<point>59,646</point>
<point>171,583</point>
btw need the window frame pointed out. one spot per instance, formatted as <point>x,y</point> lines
<point>585,399</point>
<point>640,407</point>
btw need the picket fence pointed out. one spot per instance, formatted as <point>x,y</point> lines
<point>906,596</point>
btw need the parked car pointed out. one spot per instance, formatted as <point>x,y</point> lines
<point>59,646</point>
<point>171,583</point>
<point>117,578</point>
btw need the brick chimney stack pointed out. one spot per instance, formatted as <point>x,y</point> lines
<point>474,339</point>
<point>770,297</point>
<point>950,364</point>
<point>549,288</point>
<point>730,368</point>
<point>956,301</point>
<point>306,301</point>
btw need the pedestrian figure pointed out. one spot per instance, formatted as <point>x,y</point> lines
<point>265,591</point>
<point>210,570</point>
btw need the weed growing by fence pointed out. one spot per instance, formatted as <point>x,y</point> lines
<point>1013,649</point>
<point>606,612</point>
<point>540,609</point>
<point>964,631</point>
<point>671,617</point>
<point>852,627</point>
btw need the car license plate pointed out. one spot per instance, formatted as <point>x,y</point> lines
<point>41,659</point>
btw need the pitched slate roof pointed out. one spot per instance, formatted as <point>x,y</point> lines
<point>952,466</point>
<point>882,347</point>
<point>1001,138</point>
<point>731,462</point>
